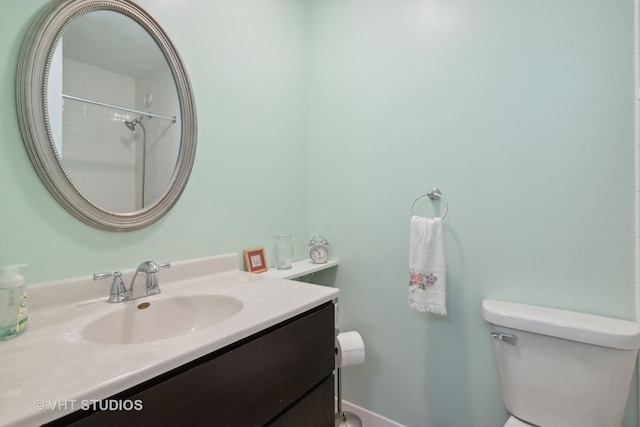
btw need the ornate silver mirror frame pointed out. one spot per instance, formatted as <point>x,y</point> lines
<point>31,99</point>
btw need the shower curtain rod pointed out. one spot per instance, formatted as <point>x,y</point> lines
<point>117,107</point>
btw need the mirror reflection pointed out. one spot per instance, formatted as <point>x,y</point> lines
<point>113,112</point>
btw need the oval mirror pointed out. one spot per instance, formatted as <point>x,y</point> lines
<point>106,112</point>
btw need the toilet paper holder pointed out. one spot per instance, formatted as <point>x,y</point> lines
<point>344,418</point>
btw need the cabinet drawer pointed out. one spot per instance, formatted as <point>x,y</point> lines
<point>314,410</point>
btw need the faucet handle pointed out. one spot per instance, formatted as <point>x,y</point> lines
<point>119,291</point>
<point>98,276</point>
<point>165,265</point>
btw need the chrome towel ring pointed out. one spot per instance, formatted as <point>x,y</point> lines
<point>433,194</point>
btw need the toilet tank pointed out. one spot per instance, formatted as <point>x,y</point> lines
<point>561,368</point>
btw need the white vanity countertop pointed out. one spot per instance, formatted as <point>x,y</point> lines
<point>48,371</point>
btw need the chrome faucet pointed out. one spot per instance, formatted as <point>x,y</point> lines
<point>119,291</point>
<point>149,268</point>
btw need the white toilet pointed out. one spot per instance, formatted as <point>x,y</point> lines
<point>560,368</point>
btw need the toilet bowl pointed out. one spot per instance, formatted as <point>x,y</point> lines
<point>560,368</point>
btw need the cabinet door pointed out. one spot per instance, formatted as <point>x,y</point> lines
<point>249,385</point>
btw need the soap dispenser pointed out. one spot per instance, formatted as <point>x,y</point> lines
<point>13,302</point>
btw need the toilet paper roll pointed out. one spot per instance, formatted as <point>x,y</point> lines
<point>349,349</point>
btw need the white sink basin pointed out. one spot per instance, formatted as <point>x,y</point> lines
<point>153,319</point>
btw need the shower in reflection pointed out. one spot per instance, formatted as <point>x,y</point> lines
<point>131,125</point>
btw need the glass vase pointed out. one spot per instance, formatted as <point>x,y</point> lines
<point>283,251</point>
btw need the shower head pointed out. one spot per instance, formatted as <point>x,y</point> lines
<point>131,125</point>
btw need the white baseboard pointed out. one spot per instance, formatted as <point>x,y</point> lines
<point>368,418</point>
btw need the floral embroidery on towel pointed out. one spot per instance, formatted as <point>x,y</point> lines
<point>422,280</point>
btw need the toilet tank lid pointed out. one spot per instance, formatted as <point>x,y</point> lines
<point>571,325</point>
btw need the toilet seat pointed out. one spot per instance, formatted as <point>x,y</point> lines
<point>515,422</point>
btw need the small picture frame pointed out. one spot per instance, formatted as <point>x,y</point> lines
<point>255,260</point>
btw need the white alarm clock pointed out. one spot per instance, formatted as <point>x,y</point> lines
<point>318,250</point>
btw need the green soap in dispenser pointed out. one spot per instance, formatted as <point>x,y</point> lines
<point>13,302</point>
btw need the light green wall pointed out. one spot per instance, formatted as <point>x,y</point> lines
<point>523,114</point>
<point>247,64</point>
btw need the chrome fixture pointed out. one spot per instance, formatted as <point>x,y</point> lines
<point>119,291</point>
<point>433,194</point>
<point>508,338</point>
<point>131,125</point>
<point>344,418</point>
<point>119,107</point>
<point>149,268</point>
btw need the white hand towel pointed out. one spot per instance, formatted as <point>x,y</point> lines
<point>427,284</point>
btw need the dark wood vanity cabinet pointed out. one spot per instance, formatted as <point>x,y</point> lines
<point>280,377</point>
